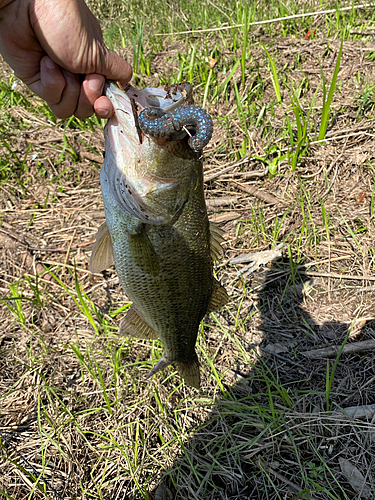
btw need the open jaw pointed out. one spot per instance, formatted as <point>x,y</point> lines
<point>168,112</point>
<point>165,112</point>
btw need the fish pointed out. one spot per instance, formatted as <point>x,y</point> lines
<point>157,231</point>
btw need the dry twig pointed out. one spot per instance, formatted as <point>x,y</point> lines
<point>332,351</point>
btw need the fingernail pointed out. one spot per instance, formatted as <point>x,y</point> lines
<point>95,85</point>
<point>49,63</point>
<point>103,113</point>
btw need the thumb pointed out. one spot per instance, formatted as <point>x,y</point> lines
<point>116,68</point>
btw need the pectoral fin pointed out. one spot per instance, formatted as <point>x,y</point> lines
<point>219,297</point>
<point>102,252</point>
<point>133,325</point>
<point>143,253</point>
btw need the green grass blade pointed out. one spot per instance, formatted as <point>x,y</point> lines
<point>327,102</point>
<point>275,79</point>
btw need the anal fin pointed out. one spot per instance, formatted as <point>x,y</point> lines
<point>160,365</point>
<point>102,251</point>
<point>218,298</point>
<point>133,325</point>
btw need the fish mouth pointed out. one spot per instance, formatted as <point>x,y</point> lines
<point>165,98</point>
<point>164,113</point>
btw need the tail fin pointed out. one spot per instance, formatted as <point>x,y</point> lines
<point>189,371</point>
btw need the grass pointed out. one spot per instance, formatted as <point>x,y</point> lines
<point>77,417</point>
<point>327,99</point>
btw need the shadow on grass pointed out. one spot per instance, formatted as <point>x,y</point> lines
<point>276,432</point>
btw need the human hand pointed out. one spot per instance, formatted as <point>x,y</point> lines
<point>56,48</point>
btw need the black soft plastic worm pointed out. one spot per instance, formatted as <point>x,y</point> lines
<point>158,123</point>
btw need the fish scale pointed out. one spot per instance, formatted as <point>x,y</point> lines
<point>159,298</point>
<point>158,235</point>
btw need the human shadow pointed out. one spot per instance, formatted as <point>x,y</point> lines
<point>298,318</point>
<point>265,432</point>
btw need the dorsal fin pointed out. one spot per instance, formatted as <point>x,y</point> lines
<point>216,239</point>
<point>102,252</point>
<point>133,325</point>
<point>218,298</point>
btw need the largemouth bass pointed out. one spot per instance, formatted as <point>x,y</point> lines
<point>157,231</point>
